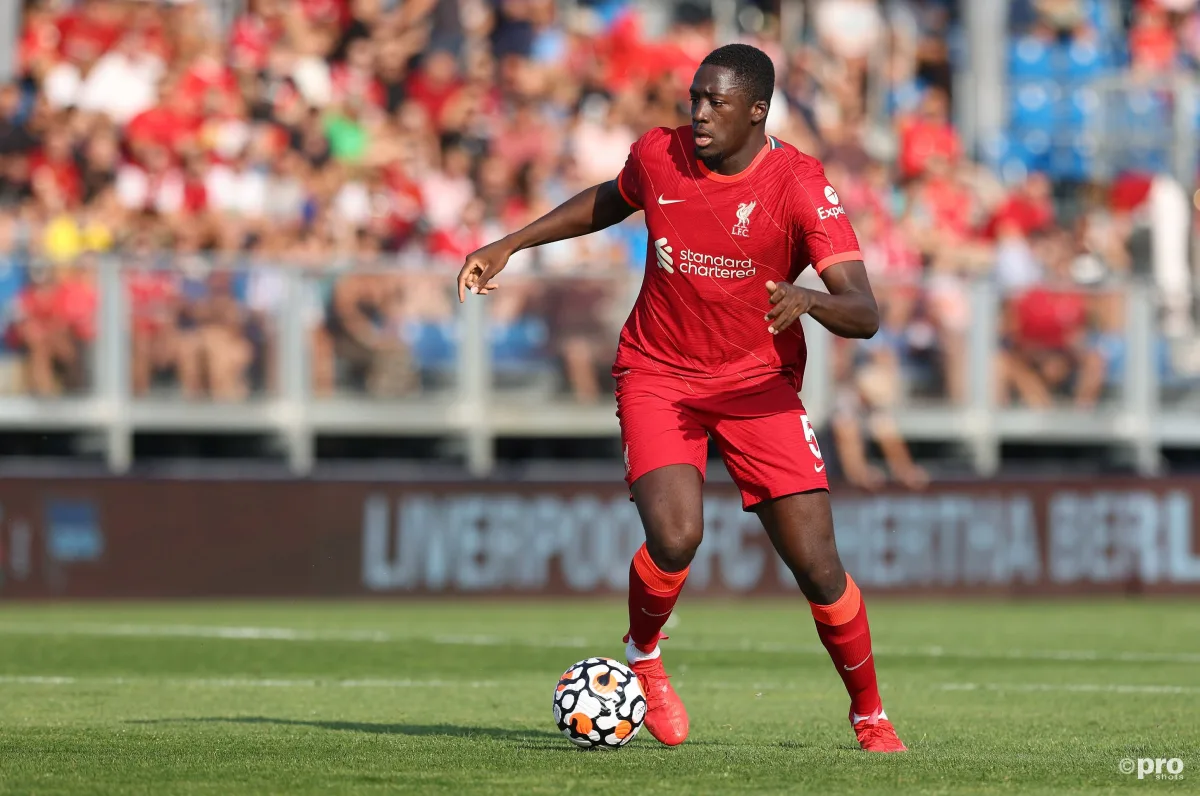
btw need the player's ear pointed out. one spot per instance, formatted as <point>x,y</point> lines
<point>758,111</point>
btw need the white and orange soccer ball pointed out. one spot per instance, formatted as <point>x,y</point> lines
<point>599,704</point>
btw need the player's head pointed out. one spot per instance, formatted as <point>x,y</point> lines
<point>731,94</point>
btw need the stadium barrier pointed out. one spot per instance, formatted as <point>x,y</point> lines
<point>142,538</point>
<point>482,372</point>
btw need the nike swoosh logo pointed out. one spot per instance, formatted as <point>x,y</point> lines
<point>818,467</point>
<point>662,201</point>
<point>860,663</point>
<point>647,613</point>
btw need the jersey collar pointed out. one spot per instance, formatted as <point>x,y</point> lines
<point>772,143</point>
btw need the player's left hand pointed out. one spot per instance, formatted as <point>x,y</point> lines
<point>789,303</point>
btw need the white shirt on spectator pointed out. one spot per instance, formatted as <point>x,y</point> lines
<point>137,189</point>
<point>265,288</point>
<point>445,198</point>
<point>230,137</point>
<point>1016,265</point>
<point>241,192</point>
<point>778,115</point>
<point>62,84</point>
<point>352,204</point>
<point>600,150</point>
<point>285,199</point>
<point>851,27</point>
<point>121,86</point>
<point>313,79</point>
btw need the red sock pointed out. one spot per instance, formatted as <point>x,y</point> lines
<point>652,595</point>
<point>844,632</point>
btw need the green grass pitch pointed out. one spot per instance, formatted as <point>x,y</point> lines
<point>454,697</point>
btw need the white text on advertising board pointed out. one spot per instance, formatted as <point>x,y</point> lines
<point>481,542</point>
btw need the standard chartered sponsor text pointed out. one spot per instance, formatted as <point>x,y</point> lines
<point>715,266</point>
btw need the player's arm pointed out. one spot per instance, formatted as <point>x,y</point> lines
<point>590,210</point>
<point>847,310</point>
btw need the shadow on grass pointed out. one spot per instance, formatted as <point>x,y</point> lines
<point>523,738</point>
<point>534,738</point>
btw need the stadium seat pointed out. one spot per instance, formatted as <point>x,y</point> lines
<point>1067,163</point>
<point>1033,104</point>
<point>1085,61</point>
<point>1097,14</point>
<point>995,149</point>
<point>1029,58</point>
<point>1082,107</point>
<point>1033,148</point>
<point>13,276</point>
<point>519,348</point>
<point>433,344</point>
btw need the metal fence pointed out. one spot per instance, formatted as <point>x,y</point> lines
<point>192,346</point>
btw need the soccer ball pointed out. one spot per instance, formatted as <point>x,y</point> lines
<point>598,703</point>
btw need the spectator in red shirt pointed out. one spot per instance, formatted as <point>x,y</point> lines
<point>153,297</point>
<point>89,31</point>
<point>450,246</point>
<point>405,205</point>
<point>1027,210</point>
<point>355,78</point>
<point>889,256</point>
<point>37,50</point>
<point>526,138</point>
<point>1152,42</point>
<point>56,163</point>
<point>335,13</point>
<point>55,323</point>
<point>314,26</point>
<point>208,73</point>
<point>948,203</point>
<point>1046,328</point>
<point>151,24</point>
<point>171,123</point>
<point>195,193</point>
<point>435,83</point>
<point>254,34</point>
<point>929,134</point>
<point>74,302</point>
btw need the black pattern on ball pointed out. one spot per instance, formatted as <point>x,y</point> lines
<point>598,703</point>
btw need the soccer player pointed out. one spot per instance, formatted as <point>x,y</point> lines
<point>713,347</point>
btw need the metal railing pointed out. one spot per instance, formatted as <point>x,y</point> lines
<point>475,405</point>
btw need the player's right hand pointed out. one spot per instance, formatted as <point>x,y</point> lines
<point>788,302</point>
<point>480,267</point>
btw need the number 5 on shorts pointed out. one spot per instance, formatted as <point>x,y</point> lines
<point>810,437</point>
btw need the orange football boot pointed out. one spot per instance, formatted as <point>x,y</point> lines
<point>666,718</point>
<point>875,733</point>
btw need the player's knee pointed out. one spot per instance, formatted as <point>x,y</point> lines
<point>674,548</point>
<point>822,582</point>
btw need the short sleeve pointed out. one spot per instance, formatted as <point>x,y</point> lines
<point>629,181</point>
<point>822,223</point>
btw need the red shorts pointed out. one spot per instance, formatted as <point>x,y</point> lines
<point>763,433</point>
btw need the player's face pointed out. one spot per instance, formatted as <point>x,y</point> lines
<point>722,115</point>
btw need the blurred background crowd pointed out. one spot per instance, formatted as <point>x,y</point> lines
<point>371,144</point>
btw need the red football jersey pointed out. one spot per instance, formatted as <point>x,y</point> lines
<point>715,241</point>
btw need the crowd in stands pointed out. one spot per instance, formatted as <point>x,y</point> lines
<point>331,135</point>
